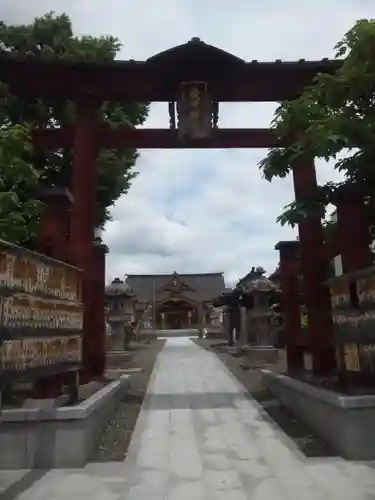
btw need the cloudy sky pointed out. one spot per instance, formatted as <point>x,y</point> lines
<point>204,210</point>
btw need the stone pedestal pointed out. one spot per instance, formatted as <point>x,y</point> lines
<point>259,319</point>
<point>243,338</point>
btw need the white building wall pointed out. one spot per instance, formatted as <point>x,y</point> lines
<point>337,264</point>
<point>337,261</point>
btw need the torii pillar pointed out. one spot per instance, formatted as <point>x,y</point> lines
<point>314,264</point>
<point>98,336</point>
<point>353,232</point>
<point>289,273</point>
<point>52,240</point>
<point>82,227</point>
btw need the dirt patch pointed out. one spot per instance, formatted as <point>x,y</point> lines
<point>250,376</point>
<point>116,437</point>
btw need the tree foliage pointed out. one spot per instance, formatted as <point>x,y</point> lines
<point>51,37</point>
<point>334,115</point>
<point>19,183</point>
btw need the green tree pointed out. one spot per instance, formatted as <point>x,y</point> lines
<point>51,37</point>
<point>19,184</point>
<point>333,119</point>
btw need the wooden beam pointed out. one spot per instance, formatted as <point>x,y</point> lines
<point>43,139</point>
<point>126,81</point>
<point>143,138</point>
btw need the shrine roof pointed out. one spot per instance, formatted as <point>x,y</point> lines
<point>195,50</point>
<point>275,275</point>
<point>203,286</point>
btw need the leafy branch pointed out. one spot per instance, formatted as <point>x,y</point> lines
<point>19,183</point>
<point>51,37</point>
<point>332,116</point>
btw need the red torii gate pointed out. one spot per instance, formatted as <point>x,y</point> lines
<point>161,78</point>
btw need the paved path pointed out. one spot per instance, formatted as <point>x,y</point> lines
<point>172,334</point>
<point>199,437</point>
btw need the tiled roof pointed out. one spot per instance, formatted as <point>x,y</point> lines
<point>251,276</point>
<point>202,287</point>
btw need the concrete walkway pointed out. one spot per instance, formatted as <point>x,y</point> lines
<point>199,437</point>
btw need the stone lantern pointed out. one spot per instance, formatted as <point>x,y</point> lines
<point>259,316</point>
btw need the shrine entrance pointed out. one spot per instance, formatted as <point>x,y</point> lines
<point>192,79</point>
<point>177,315</point>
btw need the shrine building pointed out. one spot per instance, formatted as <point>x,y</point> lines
<point>175,301</point>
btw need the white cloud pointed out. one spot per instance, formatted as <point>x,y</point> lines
<point>204,210</point>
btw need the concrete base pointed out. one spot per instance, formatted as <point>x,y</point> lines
<point>116,342</point>
<point>147,334</point>
<point>347,423</point>
<point>44,438</point>
<point>46,404</point>
<point>218,333</point>
<point>261,354</point>
<point>118,358</point>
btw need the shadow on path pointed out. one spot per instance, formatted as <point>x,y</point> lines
<point>191,401</point>
<point>23,484</point>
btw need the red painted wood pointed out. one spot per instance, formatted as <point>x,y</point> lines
<point>144,81</point>
<point>82,222</point>
<point>314,263</point>
<point>143,138</point>
<point>289,271</point>
<point>98,334</point>
<point>352,230</point>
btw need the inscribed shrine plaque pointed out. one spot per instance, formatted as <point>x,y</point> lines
<point>367,357</point>
<point>30,311</point>
<point>30,272</point>
<point>351,358</point>
<point>41,320</point>
<point>22,354</point>
<point>366,291</point>
<point>359,358</point>
<point>340,294</point>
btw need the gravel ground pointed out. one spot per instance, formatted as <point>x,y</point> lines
<point>116,437</point>
<point>251,378</point>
